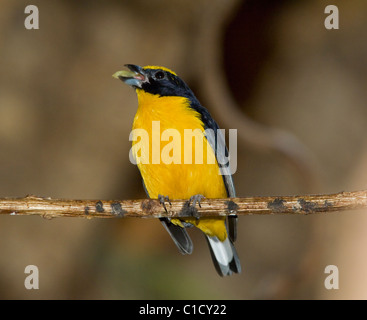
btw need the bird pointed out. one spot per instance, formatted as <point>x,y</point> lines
<point>166,103</point>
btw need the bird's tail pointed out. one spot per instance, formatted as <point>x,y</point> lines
<point>224,256</point>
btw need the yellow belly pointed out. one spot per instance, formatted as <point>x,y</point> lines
<point>179,180</point>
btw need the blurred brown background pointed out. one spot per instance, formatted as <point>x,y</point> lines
<point>65,123</point>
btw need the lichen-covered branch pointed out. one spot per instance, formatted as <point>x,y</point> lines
<point>148,208</point>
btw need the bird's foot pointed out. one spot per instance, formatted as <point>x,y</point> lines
<point>162,201</point>
<point>192,207</point>
<point>196,198</point>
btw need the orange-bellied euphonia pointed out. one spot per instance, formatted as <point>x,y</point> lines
<point>166,100</point>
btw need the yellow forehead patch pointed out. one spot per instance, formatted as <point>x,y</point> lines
<point>158,67</point>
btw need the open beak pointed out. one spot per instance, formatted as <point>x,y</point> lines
<point>134,77</point>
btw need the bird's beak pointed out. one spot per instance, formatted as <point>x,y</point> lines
<point>134,77</point>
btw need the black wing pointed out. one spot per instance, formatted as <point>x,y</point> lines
<point>218,144</point>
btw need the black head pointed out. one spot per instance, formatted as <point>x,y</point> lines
<point>155,80</point>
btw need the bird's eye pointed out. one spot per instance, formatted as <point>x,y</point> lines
<point>159,75</point>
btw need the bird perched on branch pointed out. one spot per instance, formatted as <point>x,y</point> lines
<point>167,111</point>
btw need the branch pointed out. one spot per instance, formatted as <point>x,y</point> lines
<point>149,208</point>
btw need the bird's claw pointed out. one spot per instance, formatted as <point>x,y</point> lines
<point>195,199</point>
<point>162,200</point>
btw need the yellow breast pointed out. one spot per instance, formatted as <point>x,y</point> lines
<point>165,118</point>
<point>179,179</point>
